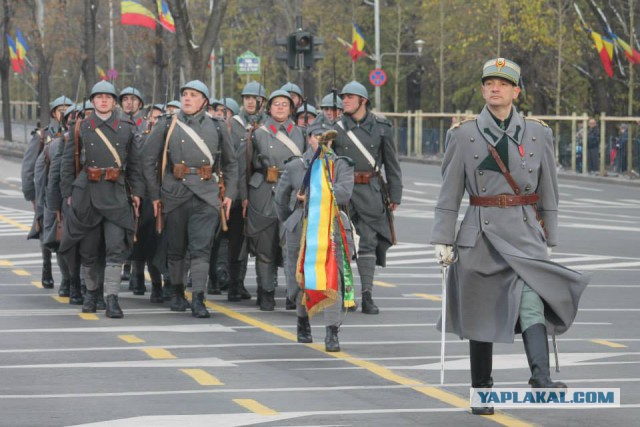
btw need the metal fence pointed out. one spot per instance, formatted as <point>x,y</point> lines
<point>421,135</point>
<point>23,111</point>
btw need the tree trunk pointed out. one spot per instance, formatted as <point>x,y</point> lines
<point>5,64</point>
<point>89,45</point>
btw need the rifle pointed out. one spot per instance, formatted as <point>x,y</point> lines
<point>386,200</point>
<point>76,137</point>
<point>161,167</point>
<point>221,194</point>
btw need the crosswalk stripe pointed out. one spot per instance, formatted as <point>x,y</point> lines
<point>159,353</point>
<point>255,406</point>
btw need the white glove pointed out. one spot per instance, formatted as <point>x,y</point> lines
<point>444,254</point>
<point>549,250</point>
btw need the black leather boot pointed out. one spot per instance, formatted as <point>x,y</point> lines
<point>536,346</point>
<point>267,301</point>
<point>136,284</point>
<point>167,289</point>
<point>75,293</point>
<point>156,293</point>
<point>198,309</point>
<point>212,285</point>
<point>178,301</point>
<point>244,293</point>
<point>89,303</point>
<point>47,277</point>
<point>64,288</point>
<point>113,308</point>
<point>481,358</point>
<point>368,306</point>
<point>259,295</point>
<point>100,303</point>
<point>331,342</point>
<point>126,272</point>
<point>304,330</point>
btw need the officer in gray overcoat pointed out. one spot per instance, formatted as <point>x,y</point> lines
<point>503,282</point>
<point>290,209</point>
<point>41,138</point>
<point>182,148</point>
<point>271,144</point>
<point>104,197</point>
<point>368,140</point>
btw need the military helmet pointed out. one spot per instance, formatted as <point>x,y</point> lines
<point>61,100</point>
<point>253,88</point>
<point>88,105</point>
<point>70,110</point>
<point>327,102</point>
<point>232,105</point>
<point>279,93</point>
<point>131,91</point>
<point>103,87</point>
<point>196,85</point>
<point>159,107</point>
<point>292,88</point>
<point>174,103</point>
<point>310,109</point>
<point>355,88</point>
<point>213,102</point>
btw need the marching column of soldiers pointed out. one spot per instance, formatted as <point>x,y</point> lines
<point>188,191</point>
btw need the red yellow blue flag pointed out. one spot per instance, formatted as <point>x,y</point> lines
<point>166,20</point>
<point>133,13</point>
<point>21,47</point>
<point>357,43</point>
<point>13,53</point>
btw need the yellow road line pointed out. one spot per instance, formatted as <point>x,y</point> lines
<point>428,296</point>
<point>37,284</point>
<point>88,316</point>
<point>131,339</point>
<point>202,377</point>
<point>14,223</point>
<point>5,263</point>
<point>159,353</point>
<point>61,300</point>
<point>609,343</point>
<point>384,284</point>
<point>255,406</point>
<point>21,272</point>
<point>381,371</point>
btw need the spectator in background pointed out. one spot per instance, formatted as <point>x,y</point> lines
<point>621,149</point>
<point>593,146</point>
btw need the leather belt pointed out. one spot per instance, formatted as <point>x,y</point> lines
<point>504,200</point>
<point>180,170</point>
<point>95,174</point>
<point>362,177</point>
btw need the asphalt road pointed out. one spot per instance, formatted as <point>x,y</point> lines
<point>243,367</point>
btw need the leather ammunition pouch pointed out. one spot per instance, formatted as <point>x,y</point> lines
<point>95,174</point>
<point>273,173</point>
<point>362,177</point>
<point>204,172</point>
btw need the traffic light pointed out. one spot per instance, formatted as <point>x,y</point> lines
<point>312,55</point>
<point>304,42</point>
<point>290,56</point>
<point>302,50</point>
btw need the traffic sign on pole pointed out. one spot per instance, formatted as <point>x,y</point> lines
<point>377,77</point>
<point>248,63</point>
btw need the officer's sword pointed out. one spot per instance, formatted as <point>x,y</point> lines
<point>445,272</point>
<point>555,351</point>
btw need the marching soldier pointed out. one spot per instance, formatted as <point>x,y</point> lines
<point>270,145</point>
<point>290,209</point>
<point>504,282</point>
<point>184,188</point>
<point>295,92</point>
<point>41,138</point>
<point>243,121</point>
<point>216,108</point>
<point>367,139</point>
<point>132,104</point>
<point>231,108</point>
<point>156,111</point>
<point>306,118</point>
<point>331,109</point>
<point>105,155</point>
<point>173,107</point>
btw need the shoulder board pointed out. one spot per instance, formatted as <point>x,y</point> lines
<point>349,160</point>
<point>457,125</point>
<point>382,120</point>
<point>292,158</point>
<point>537,121</point>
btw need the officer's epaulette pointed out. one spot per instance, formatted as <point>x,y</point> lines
<point>457,125</point>
<point>382,120</point>
<point>349,160</point>
<point>291,158</point>
<point>537,121</point>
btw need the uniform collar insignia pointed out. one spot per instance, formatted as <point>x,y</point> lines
<point>488,125</point>
<point>289,127</point>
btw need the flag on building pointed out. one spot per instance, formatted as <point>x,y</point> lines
<point>21,47</point>
<point>165,16</point>
<point>133,13</point>
<point>604,46</point>
<point>357,43</point>
<point>13,53</point>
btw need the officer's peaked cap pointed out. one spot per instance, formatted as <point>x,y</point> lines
<point>198,86</point>
<point>502,68</point>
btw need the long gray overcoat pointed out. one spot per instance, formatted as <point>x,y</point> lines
<point>500,249</point>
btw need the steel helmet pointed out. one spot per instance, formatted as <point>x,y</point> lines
<point>159,107</point>
<point>279,93</point>
<point>253,88</point>
<point>61,100</point>
<point>327,102</point>
<point>232,105</point>
<point>70,110</point>
<point>310,109</point>
<point>355,88</point>
<point>174,104</point>
<point>213,102</point>
<point>88,105</point>
<point>103,87</point>
<point>198,86</point>
<point>292,88</point>
<point>131,91</point>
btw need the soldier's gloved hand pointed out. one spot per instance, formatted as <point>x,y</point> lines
<point>444,254</point>
<point>549,251</point>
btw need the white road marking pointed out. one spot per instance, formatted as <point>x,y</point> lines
<point>396,254</point>
<point>407,190</point>
<point>598,227</point>
<point>119,329</point>
<point>579,187</point>
<point>203,362</point>
<point>427,184</point>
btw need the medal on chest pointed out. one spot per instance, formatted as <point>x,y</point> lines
<point>523,163</point>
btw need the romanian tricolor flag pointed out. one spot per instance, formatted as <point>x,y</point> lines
<point>604,46</point>
<point>13,53</point>
<point>21,47</point>
<point>133,13</point>
<point>165,16</point>
<point>632,55</point>
<point>101,73</point>
<point>357,43</point>
<point>317,270</point>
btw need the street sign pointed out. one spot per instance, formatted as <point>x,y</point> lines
<point>112,74</point>
<point>248,63</point>
<point>377,77</point>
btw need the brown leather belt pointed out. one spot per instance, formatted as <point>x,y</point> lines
<point>95,174</point>
<point>180,170</point>
<point>363,177</point>
<point>504,200</point>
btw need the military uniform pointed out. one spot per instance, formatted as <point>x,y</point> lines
<point>267,160</point>
<point>100,207</point>
<point>291,214</point>
<point>189,197</point>
<point>367,209</point>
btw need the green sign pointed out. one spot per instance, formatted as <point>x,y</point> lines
<point>248,63</point>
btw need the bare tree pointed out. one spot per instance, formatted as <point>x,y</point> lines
<point>89,44</point>
<point>5,64</point>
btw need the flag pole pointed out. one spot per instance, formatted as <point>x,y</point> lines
<point>111,37</point>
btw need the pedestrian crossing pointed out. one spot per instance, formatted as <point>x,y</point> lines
<point>15,222</point>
